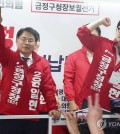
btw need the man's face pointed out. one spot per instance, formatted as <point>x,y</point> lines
<point>118,34</point>
<point>26,43</point>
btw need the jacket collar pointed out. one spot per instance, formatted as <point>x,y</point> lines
<point>34,56</point>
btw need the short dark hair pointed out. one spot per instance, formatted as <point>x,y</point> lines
<point>98,30</point>
<point>29,30</point>
<point>118,24</point>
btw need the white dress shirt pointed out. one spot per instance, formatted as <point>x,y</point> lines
<point>29,61</point>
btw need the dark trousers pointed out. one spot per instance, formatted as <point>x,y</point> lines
<point>18,126</point>
<point>43,125</point>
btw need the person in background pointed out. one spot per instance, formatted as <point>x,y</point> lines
<point>103,75</point>
<point>24,75</point>
<point>75,69</point>
<point>94,116</point>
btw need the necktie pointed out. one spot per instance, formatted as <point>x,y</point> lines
<point>25,59</point>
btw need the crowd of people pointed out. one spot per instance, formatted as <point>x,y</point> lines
<point>26,75</point>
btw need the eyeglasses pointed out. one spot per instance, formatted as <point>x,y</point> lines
<point>30,41</point>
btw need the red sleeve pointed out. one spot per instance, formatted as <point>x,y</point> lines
<point>2,39</point>
<point>87,39</point>
<point>48,88</point>
<point>69,77</point>
<point>3,52</point>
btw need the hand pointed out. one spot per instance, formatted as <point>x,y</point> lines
<point>71,120</point>
<point>56,114</point>
<point>95,111</point>
<point>58,101</point>
<point>106,21</point>
<point>94,114</point>
<point>73,106</point>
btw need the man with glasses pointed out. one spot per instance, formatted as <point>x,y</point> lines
<point>104,73</point>
<point>25,74</point>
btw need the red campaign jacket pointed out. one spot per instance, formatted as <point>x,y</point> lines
<point>75,70</point>
<point>42,105</point>
<point>103,64</point>
<point>42,102</point>
<point>21,85</point>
